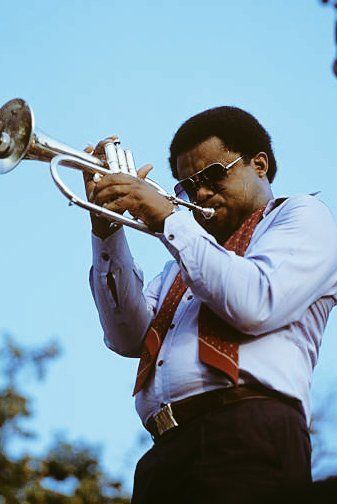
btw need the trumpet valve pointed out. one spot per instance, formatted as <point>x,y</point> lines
<point>111,157</point>
<point>123,165</point>
<point>131,163</point>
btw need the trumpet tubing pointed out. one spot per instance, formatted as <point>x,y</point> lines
<point>20,140</point>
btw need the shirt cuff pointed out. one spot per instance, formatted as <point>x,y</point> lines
<point>111,253</point>
<point>181,230</point>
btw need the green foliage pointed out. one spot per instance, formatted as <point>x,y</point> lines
<point>35,480</point>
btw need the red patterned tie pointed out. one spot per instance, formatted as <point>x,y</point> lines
<point>214,349</point>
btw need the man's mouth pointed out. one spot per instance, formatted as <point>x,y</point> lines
<point>215,206</point>
<point>210,217</point>
<point>208,204</point>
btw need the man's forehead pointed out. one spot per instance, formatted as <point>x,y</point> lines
<point>205,153</point>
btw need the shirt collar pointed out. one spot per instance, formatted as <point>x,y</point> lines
<point>274,203</point>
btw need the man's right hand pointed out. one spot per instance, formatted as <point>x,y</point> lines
<point>101,226</point>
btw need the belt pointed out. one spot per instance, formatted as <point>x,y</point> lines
<point>178,413</point>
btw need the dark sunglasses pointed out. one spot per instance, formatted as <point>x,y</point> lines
<point>187,188</point>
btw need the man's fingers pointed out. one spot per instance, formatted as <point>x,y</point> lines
<point>115,179</point>
<point>111,188</point>
<point>99,149</point>
<point>87,176</point>
<point>144,171</point>
<point>111,193</point>
<point>120,205</point>
<point>91,191</point>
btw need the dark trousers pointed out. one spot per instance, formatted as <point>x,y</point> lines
<point>229,456</point>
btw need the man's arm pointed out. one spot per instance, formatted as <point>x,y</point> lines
<point>290,266</point>
<point>116,282</point>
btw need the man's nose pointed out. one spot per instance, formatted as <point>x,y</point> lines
<point>203,193</point>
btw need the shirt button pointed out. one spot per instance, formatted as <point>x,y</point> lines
<point>105,256</point>
<point>172,326</point>
<point>171,237</point>
<point>189,297</point>
<point>160,363</point>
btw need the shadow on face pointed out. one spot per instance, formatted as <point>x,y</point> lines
<point>239,193</point>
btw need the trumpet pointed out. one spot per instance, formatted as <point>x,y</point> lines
<point>20,140</point>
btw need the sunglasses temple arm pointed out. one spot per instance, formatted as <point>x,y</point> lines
<point>229,166</point>
<point>207,213</point>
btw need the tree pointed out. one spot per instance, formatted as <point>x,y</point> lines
<point>30,479</point>
<point>333,4</point>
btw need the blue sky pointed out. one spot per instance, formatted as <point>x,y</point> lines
<point>139,68</point>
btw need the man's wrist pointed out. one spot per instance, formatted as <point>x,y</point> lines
<point>106,234</point>
<point>159,227</point>
<point>103,228</point>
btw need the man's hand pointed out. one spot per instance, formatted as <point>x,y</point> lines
<point>100,226</point>
<point>121,192</point>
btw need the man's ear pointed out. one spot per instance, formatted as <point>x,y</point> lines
<point>260,163</point>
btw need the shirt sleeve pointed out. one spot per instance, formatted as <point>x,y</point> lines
<point>116,282</point>
<point>291,265</point>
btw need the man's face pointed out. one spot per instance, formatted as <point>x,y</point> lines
<point>234,197</point>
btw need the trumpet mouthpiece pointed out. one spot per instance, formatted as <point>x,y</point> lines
<point>208,213</point>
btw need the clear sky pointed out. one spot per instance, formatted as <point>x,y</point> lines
<point>139,68</point>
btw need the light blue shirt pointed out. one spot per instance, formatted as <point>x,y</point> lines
<point>279,294</point>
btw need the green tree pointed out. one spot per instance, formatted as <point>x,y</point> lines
<point>32,479</point>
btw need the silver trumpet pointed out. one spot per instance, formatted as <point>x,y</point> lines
<point>19,139</point>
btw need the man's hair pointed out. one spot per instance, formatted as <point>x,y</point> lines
<point>238,130</point>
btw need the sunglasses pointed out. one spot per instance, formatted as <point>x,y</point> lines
<point>210,176</point>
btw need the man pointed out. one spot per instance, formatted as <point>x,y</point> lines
<point>229,332</point>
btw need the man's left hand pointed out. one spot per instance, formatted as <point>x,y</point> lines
<point>119,192</point>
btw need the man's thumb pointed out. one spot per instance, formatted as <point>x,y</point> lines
<point>144,171</point>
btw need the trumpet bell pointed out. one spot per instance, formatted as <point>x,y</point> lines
<point>20,140</point>
<point>16,132</point>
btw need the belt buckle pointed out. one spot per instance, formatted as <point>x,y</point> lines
<point>164,419</point>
